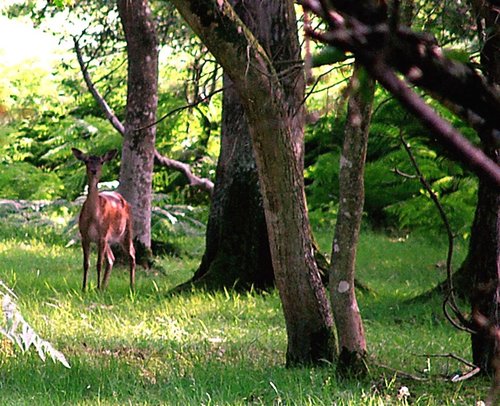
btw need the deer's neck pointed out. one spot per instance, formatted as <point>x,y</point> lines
<point>92,202</point>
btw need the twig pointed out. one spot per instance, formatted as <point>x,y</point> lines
<point>450,355</point>
<point>185,107</point>
<point>467,375</point>
<point>403,174</point>
<point>450,298</point>
<point>403,374</point>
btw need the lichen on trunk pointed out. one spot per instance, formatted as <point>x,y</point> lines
<point>350,330</point>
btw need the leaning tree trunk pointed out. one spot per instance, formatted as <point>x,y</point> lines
<point>479,277</point>
<point>142,100</point>
<point>350,331</point>
<point>276,122</point>
<point>237,251</point>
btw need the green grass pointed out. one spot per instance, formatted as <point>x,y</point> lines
<point>201,348</point>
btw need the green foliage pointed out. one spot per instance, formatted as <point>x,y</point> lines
<point>392,199</point>
<point>22,180</point>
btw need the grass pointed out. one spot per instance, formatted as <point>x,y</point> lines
<point>225,348</point>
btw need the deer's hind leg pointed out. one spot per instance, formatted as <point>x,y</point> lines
<point>110,259</point>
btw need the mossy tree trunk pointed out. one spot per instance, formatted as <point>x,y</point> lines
<point>273,106</point>
<point>237,251</point>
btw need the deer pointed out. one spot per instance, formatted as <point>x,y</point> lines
<point>105,219</point>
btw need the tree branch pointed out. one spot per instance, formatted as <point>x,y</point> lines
<point>363,29</point>
<point>456,143</point>
<point>108,112</point>
<point>195,181</point>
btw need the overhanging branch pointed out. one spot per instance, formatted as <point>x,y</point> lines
<point>363,28</point>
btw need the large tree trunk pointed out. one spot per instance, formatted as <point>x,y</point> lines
<point>482,265</point>
<point>237,251</point>
<point>142,100</point>
<point>350,331</point>
<point>276,119</point>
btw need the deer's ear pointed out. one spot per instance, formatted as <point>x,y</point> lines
<point>108,156</point>
<point>79,154</point>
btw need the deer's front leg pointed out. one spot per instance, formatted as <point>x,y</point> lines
<point>86,261</point>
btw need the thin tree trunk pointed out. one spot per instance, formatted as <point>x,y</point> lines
<point>142,100</point>
<point>350,331</point>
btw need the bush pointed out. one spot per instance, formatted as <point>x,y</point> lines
<point>21,180</point>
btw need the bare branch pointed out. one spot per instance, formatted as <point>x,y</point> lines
<point>467,375</point>
<point>195,181</point>
<point>108,112</point>
<point>403,374</point>
<point>453,356</point>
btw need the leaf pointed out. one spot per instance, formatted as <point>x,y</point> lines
<point>27,336</point>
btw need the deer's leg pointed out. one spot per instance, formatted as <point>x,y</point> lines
<point>86,261</point>
<point>101,253</point>
<point>110,259</point>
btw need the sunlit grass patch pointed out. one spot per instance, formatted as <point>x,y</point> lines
<point>153,347</point>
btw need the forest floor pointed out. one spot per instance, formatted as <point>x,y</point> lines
<point>199,348</point>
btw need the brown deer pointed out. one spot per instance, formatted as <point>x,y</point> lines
<point>105,219</point>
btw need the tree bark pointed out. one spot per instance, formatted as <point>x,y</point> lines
<point>237,251</point>
<point>481,279</point>
<point>142,101</point>
<point>350,330</point>
<point>276,119</point>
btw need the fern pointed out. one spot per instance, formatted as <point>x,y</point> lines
<point>20,333</point>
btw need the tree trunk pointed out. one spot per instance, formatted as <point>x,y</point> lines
<point>273,105</point>
<point>142,100</point>
<point>237,247</point>
<point>481,268</point>
<point>350,331</point>
<point>237,252</point>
